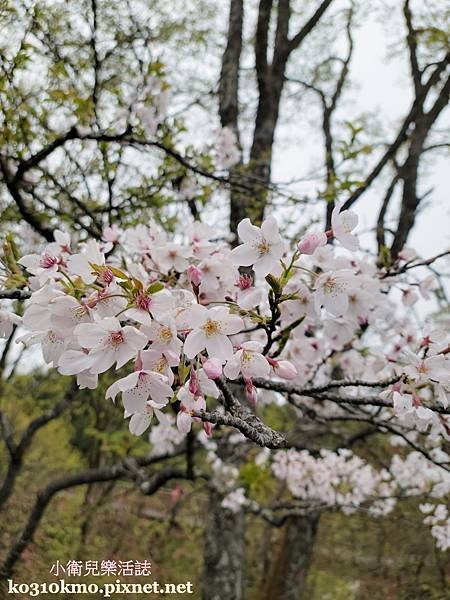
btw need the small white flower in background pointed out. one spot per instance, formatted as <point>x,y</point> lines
<point>262,246</point>
<point>210,328</point>
<point>426,286</point>
<point>227,148</point>
<point>409,297</point>
<point>407,254</point>
<point>403,404</point>
<point>408,407</point>
<point>342,224</point>
<point>7,322</point>
<point>235,500</point>
<point>338,331</point>
<point>111,234</point>
<point>171,256</point>
<point>108,343</point>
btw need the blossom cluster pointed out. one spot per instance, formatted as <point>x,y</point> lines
<point>174,315</point>
<point>332,479</point>
<point>343,480</point>
<point>177,314</point>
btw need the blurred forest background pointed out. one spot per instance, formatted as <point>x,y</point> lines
<point>307,138</point>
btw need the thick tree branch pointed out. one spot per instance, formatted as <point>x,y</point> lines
<point>229,75</point>
<point>103,474</point>
<point>295,42</point>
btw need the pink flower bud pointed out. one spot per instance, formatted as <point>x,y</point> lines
<point>193,383</point>
<point>250,392</point>
<point>285,369</point>
<point>312,241</point>
<point>194,275</point>
<point>111,234</point>
<point>207,426</point>
<point>176,493</point>
<point>213,368</point>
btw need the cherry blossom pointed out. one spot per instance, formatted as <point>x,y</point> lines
<point>7,322</point>
<point>213,368</point>
<point>146,305</point>
<point>108,343</point>
<point>332,291</point>
<point>342,223</point>
<point>312,241</point>
<point>179,311</point>
<point>43,267</point>
<point>210,330</point>
<point>144,393</point>
<point>262,247</point>
<point>81,263</point>
<point>249,361</point>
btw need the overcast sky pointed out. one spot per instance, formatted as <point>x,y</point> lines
<point>380,85</point>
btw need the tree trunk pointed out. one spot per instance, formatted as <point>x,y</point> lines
<point>224,552</point>
<point>289,569</point>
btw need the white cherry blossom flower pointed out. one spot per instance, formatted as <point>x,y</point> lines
<point>138,387</point>
<point>61,243</point>
<point>44,267</point>
<point>235,500</point>
<point>148,305</point>
<point>144,394</point>
<point>248,296</point>
<point>171,256</point>
<point>262,246</point>
<point>80,264</point>
<point>434,368</point>
<point>343,222</point>
<point>52,344</point>
<point>188,405</point>
<point>66,313</point>
<point>210,330</point>
<point>332,291</point>
<point>163,336</point>
<point>161,362</point>
<point>249,361</point>
<point>109,343</point>
<point>7,322</point>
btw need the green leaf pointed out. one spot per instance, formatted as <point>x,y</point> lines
<point>156,286</point>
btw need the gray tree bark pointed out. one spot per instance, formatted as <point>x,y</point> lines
<point>288,571</point>
<point>224,552</point>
